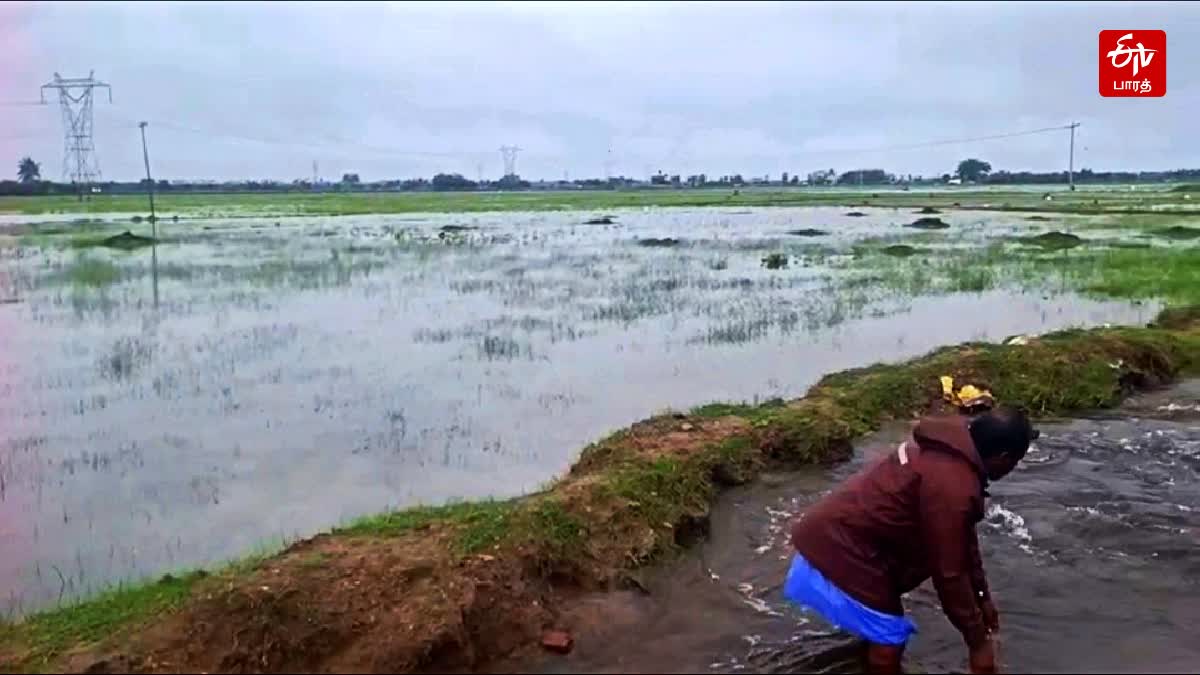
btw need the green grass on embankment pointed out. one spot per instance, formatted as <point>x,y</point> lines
<point>630,496</point>
<point>29,644</point>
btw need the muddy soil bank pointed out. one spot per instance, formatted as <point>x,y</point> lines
<point>467,586</point>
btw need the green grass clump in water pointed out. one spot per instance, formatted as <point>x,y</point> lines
<point>775,261</point>
<point>93,272</point>
<point>1146,222</point>
<point>1054,241</point>
<point>1169,274</point>
<point>900,250</point>
<point>968,279</point>
<point>1179,232</point>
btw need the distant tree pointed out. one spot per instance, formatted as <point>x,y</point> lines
<point>973,169</point>
<point>512,182</point>
<point>443,182</point>
<point>945,178</point>
<point>865,177</point>
<point>28,171</point>
<point>351,178</point>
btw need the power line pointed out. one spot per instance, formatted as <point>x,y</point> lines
<point>232,135</point>
<point>509,153</point>
<point>957,141</point>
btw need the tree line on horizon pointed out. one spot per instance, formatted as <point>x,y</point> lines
<point>969,171</point>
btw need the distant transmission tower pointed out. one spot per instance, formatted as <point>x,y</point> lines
<point>79,151</point>
<point>509,153</point>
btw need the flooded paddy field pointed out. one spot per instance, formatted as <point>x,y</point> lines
<point>1091,198</point>
<point>252,380</point>
<point>1090,546</point>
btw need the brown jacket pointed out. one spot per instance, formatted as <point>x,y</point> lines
<point>897,523</point>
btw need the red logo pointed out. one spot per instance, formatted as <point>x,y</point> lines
<point>1133,63</point>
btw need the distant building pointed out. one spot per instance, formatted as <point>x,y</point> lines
<point>822,177</point>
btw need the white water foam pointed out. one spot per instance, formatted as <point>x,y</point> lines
<point>1011,524</point>
<point>1090,510</point>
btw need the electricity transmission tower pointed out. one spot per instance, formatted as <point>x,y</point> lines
<point>509,153</point>
<point>79,151</point>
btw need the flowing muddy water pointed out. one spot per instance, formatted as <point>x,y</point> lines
<point>252,380</point>
<point>1091,549</point>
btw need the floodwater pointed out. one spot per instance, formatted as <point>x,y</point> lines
<point>1091,548</point>
<point>251,380</point>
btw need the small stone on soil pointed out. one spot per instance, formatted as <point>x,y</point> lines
<point>557,641</point>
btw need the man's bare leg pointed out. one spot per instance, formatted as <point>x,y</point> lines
<point>884,659</point>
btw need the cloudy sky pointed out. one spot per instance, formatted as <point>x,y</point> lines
<point>404,89</point>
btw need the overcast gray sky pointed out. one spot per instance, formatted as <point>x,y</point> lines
<point>405,89</point>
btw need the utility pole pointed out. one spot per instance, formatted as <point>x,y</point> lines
<point>1071,161</point>
<point>153,217</point>
<point>79,151</point>
<point>149,182</point>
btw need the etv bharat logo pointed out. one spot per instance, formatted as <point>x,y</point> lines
<point>1133,63</point>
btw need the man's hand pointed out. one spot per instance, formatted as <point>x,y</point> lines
<point>983,658</point>
<point>991,618</point>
